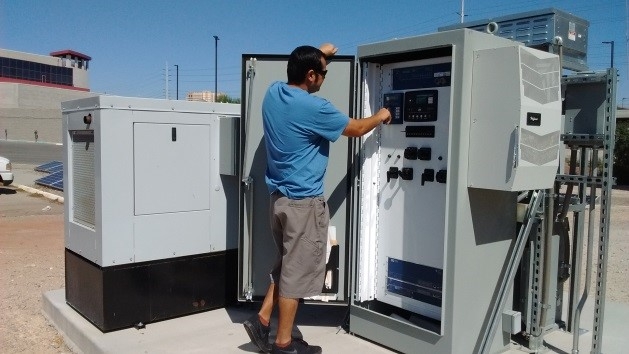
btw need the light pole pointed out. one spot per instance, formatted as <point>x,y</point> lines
<point>462,10</point>
<point>612,44</point>
<point>177,67</point>
<point>215,67</point>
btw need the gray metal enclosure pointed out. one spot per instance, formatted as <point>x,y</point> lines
<point>150,190</point>
<point>437,234</point>
<point>540,29</point>
<point>257,251</point>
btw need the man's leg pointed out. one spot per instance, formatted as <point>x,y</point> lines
<point>258,326</point>
<point>270,300</point>
<point>288,309</point>
<point>284,342</point>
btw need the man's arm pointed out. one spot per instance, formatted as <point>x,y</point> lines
<point>328,49</point>
<point>359,127</point>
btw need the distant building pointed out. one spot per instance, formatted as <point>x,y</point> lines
<point>32,88</point>
<point>622,114</point>
<point>204,96</point>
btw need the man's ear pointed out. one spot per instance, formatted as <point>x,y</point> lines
<point>311,76</point>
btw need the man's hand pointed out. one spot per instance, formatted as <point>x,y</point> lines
<point>385,115</point>
<point>360,127</point>
<point>328,49</point>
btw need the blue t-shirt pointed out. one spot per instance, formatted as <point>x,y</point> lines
<point>298,128</point>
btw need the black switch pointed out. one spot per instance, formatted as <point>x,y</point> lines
<point>442,176</point>
<point>393,172</point>
<point>406,173</point>
<point>410,153</point>
<point>428,175</point>
<point>173,134</point>
<point>424,153</point>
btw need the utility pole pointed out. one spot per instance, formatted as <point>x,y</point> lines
<point>462,10</point>
<point>177,67</point>
<point>215,67</point>
<point>166,77</point>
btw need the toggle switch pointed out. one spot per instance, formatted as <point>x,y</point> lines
<point>424,153</point>
<point>393,172</point>
<point>428,175</point>
<point>410,153</point>
<point>406,173</point>
<point>442,176</point>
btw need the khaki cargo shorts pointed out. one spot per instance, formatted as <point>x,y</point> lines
<point>300,232</point>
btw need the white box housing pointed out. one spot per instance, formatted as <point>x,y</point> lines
<point>142,179</point>
<point>515,119</point>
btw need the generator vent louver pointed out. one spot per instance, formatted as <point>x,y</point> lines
<point>540,81</point>
<point>83,181</point>
<point>540,78</point>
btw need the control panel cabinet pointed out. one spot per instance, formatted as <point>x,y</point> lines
<point>435,203</point>
<point>148,207</point>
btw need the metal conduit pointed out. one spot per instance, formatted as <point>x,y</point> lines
<point>588,262</point>
<point>512,267</point>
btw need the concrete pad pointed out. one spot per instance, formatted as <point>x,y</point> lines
<point>221,331</point>
<point>615,331</point>
<point>217,331</point>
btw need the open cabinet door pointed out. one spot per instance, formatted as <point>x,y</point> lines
<point>256,249</point>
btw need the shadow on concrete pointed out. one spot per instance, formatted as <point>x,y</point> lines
<point>622,188</point>
<point>307,315</point>
<point>7,191</point>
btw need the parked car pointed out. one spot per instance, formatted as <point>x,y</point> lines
<point>6,176</point>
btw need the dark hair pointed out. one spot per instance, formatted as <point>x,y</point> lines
<point>302,60</point>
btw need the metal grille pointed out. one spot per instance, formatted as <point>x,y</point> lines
<point>539,149</point>
<point>83,181</point>
<point>540,77</point>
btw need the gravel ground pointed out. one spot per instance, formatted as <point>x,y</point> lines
<point>31,263</point>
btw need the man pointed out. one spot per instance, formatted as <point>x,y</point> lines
<point>298,128</point>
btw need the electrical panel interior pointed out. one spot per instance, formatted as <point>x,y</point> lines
<point>412,178</point>
<point>475,118</point>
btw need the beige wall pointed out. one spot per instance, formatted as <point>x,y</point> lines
<point>25,109</point>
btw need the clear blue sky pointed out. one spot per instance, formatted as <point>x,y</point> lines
<point>130,42</point>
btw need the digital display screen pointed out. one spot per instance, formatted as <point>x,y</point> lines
<point>420,106</point>
<point>421,99</point>
<point>418,77</point>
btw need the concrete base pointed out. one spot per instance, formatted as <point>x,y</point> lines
<point>217,331</point>
<point>221,331</point>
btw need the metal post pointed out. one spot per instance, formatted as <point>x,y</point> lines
<point>612,44</point>
<point>177,67</point>
<point>623,102</point>
<point>215,67</point>
<point>462,10</point>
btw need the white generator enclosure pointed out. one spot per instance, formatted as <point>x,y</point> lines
<point>146,188</point>
<point>475,118</point>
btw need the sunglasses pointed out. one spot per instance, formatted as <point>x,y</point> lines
<point>322,72</point>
